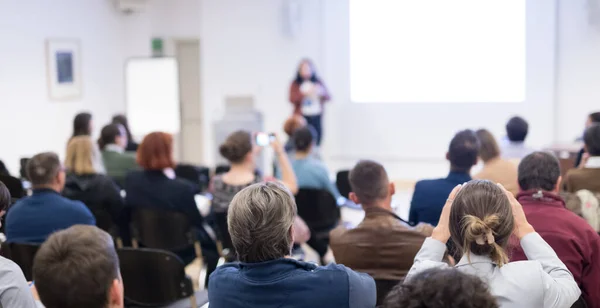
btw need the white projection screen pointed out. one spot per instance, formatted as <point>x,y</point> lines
<point>152,87</point>
<point>438,51</point>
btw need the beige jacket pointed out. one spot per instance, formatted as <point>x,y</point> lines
<point>499,170</point>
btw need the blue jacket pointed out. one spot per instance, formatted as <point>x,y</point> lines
<point>430,196</point>
<point>289,283</point>
<point>33,219</point>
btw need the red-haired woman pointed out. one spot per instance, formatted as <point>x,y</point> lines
<point>156,187</point>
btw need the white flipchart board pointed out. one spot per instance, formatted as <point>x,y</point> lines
<point>152,95</point>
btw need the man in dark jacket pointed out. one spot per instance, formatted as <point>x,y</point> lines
<point>571,237</point>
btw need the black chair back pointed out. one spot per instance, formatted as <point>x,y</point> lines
<point>14,185</point>
<point>160,229</point>
<point>222,169</point>
<point>195,174</point>
<point>104,219</point>
<point>580,303</point>
<point>318,208</point>
<point>343,183</point>
<point>220,221</point>
<point>384,286</point>
<point>22,254</point>
<point>153,277</point>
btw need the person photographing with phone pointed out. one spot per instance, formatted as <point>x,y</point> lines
<point>480,217</point>
<point>308,95</point>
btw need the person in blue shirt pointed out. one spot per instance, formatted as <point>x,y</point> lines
<point>33,219</point>
<point>260,219</point>
<point>310,171</point>
<point>430,195</point>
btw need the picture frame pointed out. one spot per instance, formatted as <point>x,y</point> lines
<point>63,61</point>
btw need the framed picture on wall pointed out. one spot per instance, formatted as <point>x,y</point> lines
<point>63,61</point>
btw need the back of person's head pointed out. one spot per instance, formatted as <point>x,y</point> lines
<point>594,117</point>
<point>3,169</point>
<point>237,146</point>
<point>488,146</point>
<point>44,169</point>
<point>591,138</point>
<point>517,129</point>
<point>156,152</point>
<point>293,123</point>
<point>78,267</point>
<point>463,150</point>
<point>112,134</point>
<point>83,156</point>
<point>260,219</point>
<point>539,170</point>
<point>5,198</point>
<point>121,119</point>
<point>369,182</point>
<point>304,138</point>
<point>82,124</point>
<point>481,221</point>
<point>441,288</point>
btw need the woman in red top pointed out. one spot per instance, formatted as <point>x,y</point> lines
<point>308,93</point>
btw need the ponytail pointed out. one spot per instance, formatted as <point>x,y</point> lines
<point>479,236</point>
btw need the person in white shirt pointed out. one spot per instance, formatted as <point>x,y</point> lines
<point>514,147</point>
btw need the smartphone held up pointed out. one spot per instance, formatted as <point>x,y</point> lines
<point>264,139</point>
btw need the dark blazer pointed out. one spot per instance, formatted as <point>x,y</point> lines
<point>153,189</point>
<point>33,219</point>
<point>430,196</point>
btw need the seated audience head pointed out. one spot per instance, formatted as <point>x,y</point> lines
<point>83,157</point>
<point>540,171</point>
<point>5,199</point>
<point>239,148</point>
<point>517,129</point>
<point>45,170</point>
<point>156,152</point>
<point>304,139</point>
<point>293,123</point>
<point>121,119</point>
<point>78,267</point>
<point>488,149</point>
<point>593,118</point>
<point>113,134</point>
<point>441,288</point>
<point>82,124</point>
<point>591,138</point>
<point>481,221</point>
<point>260,220</point>
<point>463,151</point>
<point>370,185</point>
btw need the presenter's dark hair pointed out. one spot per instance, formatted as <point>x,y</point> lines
<point>81,124</point>
<point>313,77</point>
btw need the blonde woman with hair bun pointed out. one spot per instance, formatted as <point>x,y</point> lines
<point>481,217</point>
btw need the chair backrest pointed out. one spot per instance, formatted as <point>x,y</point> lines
<point>318,208</point>
<point>580,303</point>
<point>104,219</point>
<point>384,287</point>
<point>343,183</point>
<point>195,174</point>
<point>220,221</point>
<point>153,277</point>
<point>160,229</point>
<point>14,185</point>
<point>22,254</point>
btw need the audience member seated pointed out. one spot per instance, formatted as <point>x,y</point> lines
<point>86,181</point>
<point>132,146</point>
<point>430,195</point>
<point>311,172</point>
<point>241,152</point>
<point>587,176</point>
<point>481,217</point>
<point>382,245</point>
<point>3,169</point>
<point>82,125</point>
<point>593,118</point>
<point>576,243</point>
<point>33,219</point>
<point>78,267</point>
<point>113,142</point>
<point>156,187</point>
<point>260,223</point>
<point>14,291</point>
<point>290,126</point>
<point>513,147</point>
<point>495,168</point>
<point>441,288</point>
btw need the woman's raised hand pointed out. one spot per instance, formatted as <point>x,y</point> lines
<point>522,226</point>
<point>442,231</point>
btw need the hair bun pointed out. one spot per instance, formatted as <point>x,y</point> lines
<point>481,231</point>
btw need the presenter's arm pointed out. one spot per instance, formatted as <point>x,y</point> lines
<point>295,96</point>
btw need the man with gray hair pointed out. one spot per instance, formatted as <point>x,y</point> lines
<point>33,219</point>
<point>260,220</point>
